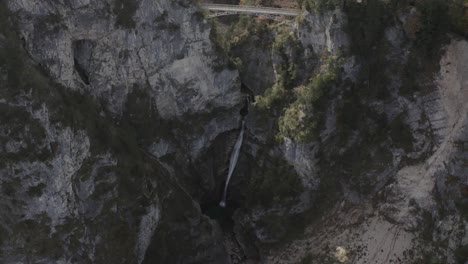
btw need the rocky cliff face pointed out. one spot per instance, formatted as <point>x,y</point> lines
<point>118,118</point>
<point>93,94</point>
<point>390,140</point>
<point>409,216</point>
<point>108,49</point>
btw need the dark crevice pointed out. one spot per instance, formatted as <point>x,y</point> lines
<point>81,72</point>
<point>82,54</point>
<point>245,89</point>
<point>245,109</point>
<point>249,98</point>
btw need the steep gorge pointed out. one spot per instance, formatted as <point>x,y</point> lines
<point>120,117</point>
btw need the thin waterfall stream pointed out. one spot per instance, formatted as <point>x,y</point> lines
<point>233,163</point>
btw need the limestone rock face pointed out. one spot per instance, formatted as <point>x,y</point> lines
<point>165,49</point>
<point>414,209</point>
<point>106,89</point>
<point>257,70</point>
<point>410,188</point>
<point>447,112</point>
<point>323,32</point>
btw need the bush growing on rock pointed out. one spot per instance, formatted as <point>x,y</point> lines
<point>271,97</point>
<point>125,10</point>
<point>302,118</point>
<point>461,254</point>
<point>274,181</point>
<point>439,17</point>
<point>288,49</point>
<point>319,5</point>
<point>458,13</point>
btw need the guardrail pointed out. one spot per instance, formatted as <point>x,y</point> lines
<point>251,9</point>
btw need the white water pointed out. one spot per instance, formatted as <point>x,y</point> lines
<point>232,163</point>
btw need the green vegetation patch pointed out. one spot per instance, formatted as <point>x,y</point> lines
<point>10,187</point>
<point>274,182</point>
<point>237,33</point>
<point>35,239</point>
<point>319,5</point>
<point>50,23</point>
<point>462,205</point>
<point>303,118</point>
<point>434,24</point>
<point>458,14</point>
<point>36,191</point>
<point>366,25</point>
<point>439,17</point>
<point>272,96</point>
<point>124,11</point>
<point>401,133</point>
<point>22,129</point>
<point>461,254</point>
<point>303,107</point>
<point>288,47</point>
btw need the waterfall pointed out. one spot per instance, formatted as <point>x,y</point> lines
<point>233,162</point>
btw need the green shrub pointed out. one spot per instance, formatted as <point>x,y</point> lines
<point>274,181</point>
<point>458,16</point>
<point>401,133</point>
<point>292,124</point>
<point>462,205</point>
<point>461,254</point>
<point>4,15</point>
<point>52,22</point>
<point>36,236</point>
<point>22,127</point>
<point>273,224</point>
<point>235,38</point>
<point>307,259</point>
<point>434,24</point>
<point>124,11</point>
<point>319,85</point>
<point>288,47</point>
<point>439,17</point>
<point>37,190</point>
<point>238,32</point>
<point>10,187</point>
<point>319,5</point>
<point>301,120</point>
<point>366,25</point>
<point>271,97</point>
